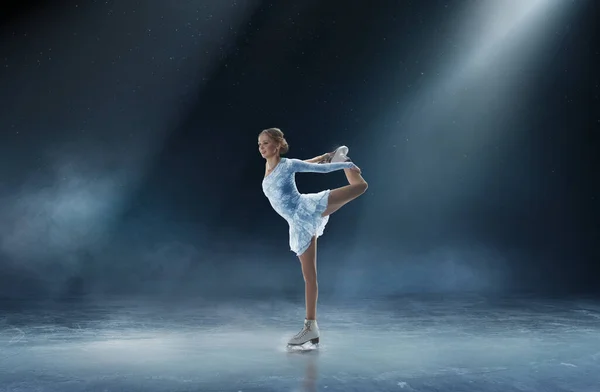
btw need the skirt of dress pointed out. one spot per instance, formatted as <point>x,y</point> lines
<point>307,221</point>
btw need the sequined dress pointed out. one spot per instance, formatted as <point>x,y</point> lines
<point>301,211</point>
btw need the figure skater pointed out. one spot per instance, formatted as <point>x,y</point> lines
<point>306,214</point>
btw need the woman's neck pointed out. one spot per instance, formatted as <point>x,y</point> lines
<point>273,161</point>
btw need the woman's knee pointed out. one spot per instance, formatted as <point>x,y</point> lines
<point>362,186</point>
<point>311,279</point>
<point>309,272</point>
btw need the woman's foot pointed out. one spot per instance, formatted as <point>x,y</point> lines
<point>310,332</point>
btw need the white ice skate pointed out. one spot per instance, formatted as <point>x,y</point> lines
<point>340,154</point>
<point>310,333</point>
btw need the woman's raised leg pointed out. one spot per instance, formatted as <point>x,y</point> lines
<point>340,196</point>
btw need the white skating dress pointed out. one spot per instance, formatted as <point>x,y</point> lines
<point>301,211</point>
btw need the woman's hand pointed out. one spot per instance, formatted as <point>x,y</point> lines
<point>325,157</point>
<point>318,159</point>
<point>355,169</point>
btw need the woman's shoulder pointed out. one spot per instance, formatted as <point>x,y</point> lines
<point>291,162</point>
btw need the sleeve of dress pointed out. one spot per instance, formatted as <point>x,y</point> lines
<point>301,166</point>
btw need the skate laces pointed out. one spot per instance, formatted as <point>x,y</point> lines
<point>304,331</point>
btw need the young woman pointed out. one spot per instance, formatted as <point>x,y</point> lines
<point>306,214</point>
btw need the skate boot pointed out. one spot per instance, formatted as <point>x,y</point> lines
<point>310,332</point>
<point>340,154</point>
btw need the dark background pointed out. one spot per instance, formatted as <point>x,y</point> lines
<point>130,164</point>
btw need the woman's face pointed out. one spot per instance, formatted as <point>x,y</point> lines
<point>267,146</point>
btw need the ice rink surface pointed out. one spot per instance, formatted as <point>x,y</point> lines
<point>406,343</point>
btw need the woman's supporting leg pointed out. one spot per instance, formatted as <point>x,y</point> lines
<point>308,259</point>
<point>340,196</point>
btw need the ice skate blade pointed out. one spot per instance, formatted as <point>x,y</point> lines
<point>311,345</point>
<point>307,348</point>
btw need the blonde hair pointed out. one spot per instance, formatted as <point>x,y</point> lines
<point>277,136</point>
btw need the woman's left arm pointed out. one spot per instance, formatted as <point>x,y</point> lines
<point>316,159</point>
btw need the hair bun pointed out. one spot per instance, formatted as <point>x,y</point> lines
<point>277,135</point>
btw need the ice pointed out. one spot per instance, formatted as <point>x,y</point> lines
<point>411,343</point>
